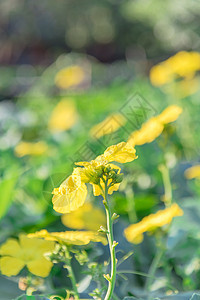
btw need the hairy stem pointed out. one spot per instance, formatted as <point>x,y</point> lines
<point>112,245</point>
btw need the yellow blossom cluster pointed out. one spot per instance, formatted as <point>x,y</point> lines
<point>182,64</point>
<point>73,191</point>
<point>134,233</point>
<point>154,126</point>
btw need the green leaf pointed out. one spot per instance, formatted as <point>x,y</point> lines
<point>6,190</point>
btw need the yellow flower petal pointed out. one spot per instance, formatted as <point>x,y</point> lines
<point>63,117</point>
<point>86,217</point>
<point>122,153</point>
<point>40,267</point>
<point>70,195</point>
<point>111,124</point>
<point>134,233</point>
<point>71,237</point>
<point>193,172</point>
<point>147,133</point>
<point>11,266</point>
<point>170,114</point>
<point>11,247</point>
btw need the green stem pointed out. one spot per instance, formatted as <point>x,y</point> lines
<point>71,275</point>
<point>153,268</point>
<point>112,245</point>
<point>131,204</point>
<point>167,184</point>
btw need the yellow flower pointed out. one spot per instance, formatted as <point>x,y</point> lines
<point>64,116</point>
<point>154,126</point>
<point>72,192</point>
<point>160,75</point>
<point>25,252</point>
<point>182,64</point>
<point>170,114</point>
<point>147,133</point>
<point>69,77</point>
<point>70,195</point>
<point>193,172</point>
<point>111,124</point>
<point>27,148</point>
<point>134,233</point>
<point>71,237</point>
<point>86,217</point>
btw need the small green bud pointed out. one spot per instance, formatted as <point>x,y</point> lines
<point>119,178</point>
<point>103,230</point>
<point>115,217</point>
<point>107,277</point>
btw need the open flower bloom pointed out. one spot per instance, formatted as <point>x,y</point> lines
<point>33,149</point>
<point>134,233</point>
<point>15,255</point>
<point>86,217</point>
<point>71,237</point>
<point>73,191</point>
<point>154,126</point>
<point>63,117</point>
<point>193,172</point>
<point>69,77</point>
<point>111,124</point>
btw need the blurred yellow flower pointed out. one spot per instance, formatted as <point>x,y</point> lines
<point>69,77</point>
<point>33,149</point>
<point>25,252</point>
<point>182,64</point>
<point>147,133</point>
<point>170,114</point>
<point>86,217</point>
<point>193,172</point>
<point>72,192</point>
<point>71,237</point>
<point>134,233</point>
<point>154,126</point>
<point>64,116</point>
<point>160,75</point>
<point>111,124</point>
